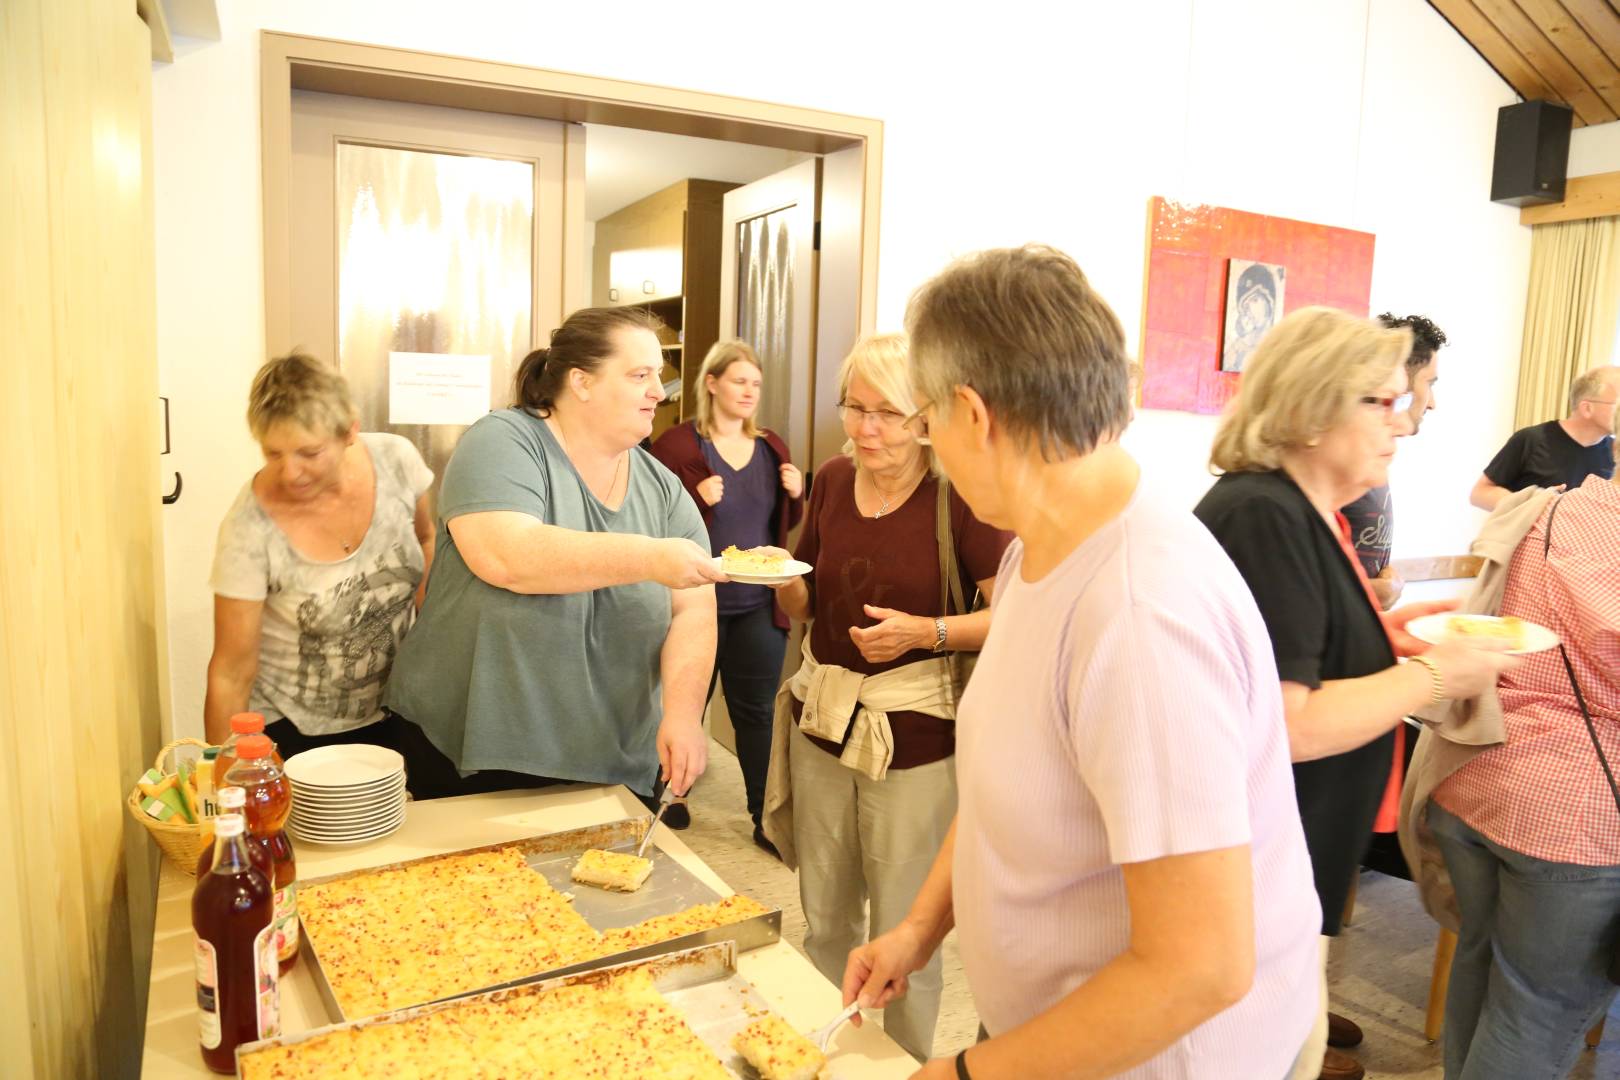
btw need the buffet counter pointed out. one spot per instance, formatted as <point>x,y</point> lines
<point>779,972</point>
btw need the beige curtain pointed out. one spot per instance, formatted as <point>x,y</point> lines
<point>1569,318</point>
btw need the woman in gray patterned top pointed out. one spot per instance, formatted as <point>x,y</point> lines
<point>319,567</point>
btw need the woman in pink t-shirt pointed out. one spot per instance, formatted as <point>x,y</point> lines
<point>1127,875</point>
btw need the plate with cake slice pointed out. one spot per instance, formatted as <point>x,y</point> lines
<point>1493,633</point>
<point>759,566</point>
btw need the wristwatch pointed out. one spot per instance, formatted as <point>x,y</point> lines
<point>939,635</point>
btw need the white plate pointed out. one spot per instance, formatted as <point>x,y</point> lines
<point>344,765</point>
<point>324,818</point>
<point>1434,630</point>
<point>339,789</point>
<point>337,830</point>
<point>345,841</point>
<point>322,795</point>
<point>344,824</point>
<point>792,568</point>
<point>306,811</point>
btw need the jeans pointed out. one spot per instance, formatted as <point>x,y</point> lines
<point>748,664</point>
<point>1529,977</point>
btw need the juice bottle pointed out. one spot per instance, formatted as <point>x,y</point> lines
<point>242,723</point>
<point>231,800</point>
<point>232,917</point>
<point>207,801</point>
<point>269,801</point>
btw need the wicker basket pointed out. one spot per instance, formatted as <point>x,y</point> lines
<point>181,841</point>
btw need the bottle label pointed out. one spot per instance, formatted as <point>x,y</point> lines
<point>285,922</point>
<point>267,982</point>
<point>207,992</point>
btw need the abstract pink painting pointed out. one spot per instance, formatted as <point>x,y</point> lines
<point>1189,248</point>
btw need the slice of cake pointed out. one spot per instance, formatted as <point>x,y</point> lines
<point>777,1051</point>
<point>612,870</point>
<point>753,562</point>
<point>1485,632</point>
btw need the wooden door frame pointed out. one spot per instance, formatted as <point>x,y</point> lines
<point>291,62</point>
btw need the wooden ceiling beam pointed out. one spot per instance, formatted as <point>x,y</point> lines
<point>1557,21</point>
<point>1601,23</point>
<point>1554,67</point>
<point>1585,197</point>
<point>1497,50</point>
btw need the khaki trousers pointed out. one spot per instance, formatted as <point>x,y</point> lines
<point>862,841</point>
<point>1308,1066</point>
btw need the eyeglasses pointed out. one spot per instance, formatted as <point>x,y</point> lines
<point>854,416</point>
<point>918,421</point>
<point>1392,403</point>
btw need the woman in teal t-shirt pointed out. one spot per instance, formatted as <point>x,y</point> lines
<point>569,627</point>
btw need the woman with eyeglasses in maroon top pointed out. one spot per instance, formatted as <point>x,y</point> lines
<point>1312,428</point>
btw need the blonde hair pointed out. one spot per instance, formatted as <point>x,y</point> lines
<point>722,354</point>
<point>883,362</point>
<point>1302,380</point>
<point>303,390</point>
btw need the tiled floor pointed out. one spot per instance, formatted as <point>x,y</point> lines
<point>1378,972</point>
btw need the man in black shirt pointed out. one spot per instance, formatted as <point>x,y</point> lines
<point>1559,453</point>
<point>1372,517</point>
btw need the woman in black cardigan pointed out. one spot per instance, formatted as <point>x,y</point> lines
<point>1313,428</point>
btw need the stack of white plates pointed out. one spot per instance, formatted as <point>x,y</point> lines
<point>346,794</point>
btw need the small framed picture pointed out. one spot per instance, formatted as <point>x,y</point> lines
<point>1254,303</point>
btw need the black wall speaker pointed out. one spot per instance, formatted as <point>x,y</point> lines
<point>1532,153</point>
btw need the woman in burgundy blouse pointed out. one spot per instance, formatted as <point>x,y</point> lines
<point>750,494</point>
<point>869,810</point>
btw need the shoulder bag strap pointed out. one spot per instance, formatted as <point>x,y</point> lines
<point>1569,669</point>
<point>951,600</point>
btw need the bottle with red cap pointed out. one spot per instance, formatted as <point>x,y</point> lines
<point>242,724</point>
<point>233,927</point>
<point>268,798</point>
<point>233,800</point>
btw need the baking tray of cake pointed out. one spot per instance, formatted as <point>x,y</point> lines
<point>670,889</point>
<point>702,986</point>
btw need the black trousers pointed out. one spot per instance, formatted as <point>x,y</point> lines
<point>289,740</point>
<point>748,664</point>
<point>429,774</point>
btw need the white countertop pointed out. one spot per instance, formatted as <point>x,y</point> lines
<point>779,972</point>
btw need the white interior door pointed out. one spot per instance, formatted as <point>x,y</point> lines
<point>768,292</point>
<point>419,229</point>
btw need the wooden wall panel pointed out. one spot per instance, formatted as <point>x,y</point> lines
<point>1568,83</point>
<point>79,526</point>
<point>1567,51</point>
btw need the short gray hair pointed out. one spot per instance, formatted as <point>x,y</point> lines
<point>1025,329</point>
<point>1590,383</point>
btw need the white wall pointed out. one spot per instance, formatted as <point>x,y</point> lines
<point>1594,149</point>
<point>1022,122</point>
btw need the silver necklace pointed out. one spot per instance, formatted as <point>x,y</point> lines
<point>885,500</point>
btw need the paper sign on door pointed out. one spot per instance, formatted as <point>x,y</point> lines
<point>437,388</point>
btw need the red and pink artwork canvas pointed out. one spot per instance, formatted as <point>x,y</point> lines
<point>1190,249</point>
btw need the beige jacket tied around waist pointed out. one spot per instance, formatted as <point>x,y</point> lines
<point>834,699</point>
<point>1456,732</point>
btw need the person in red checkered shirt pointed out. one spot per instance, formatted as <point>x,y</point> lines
<point>1529,829</point>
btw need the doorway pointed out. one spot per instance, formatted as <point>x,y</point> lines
<point>797,255</point>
